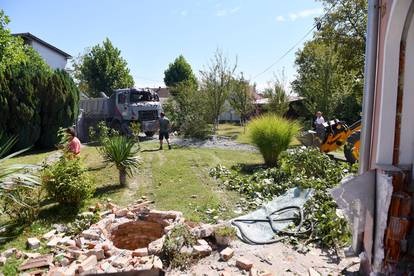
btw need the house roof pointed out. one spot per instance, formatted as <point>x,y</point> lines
<point>163,92</point>
<point>291,98</point>
<point>29,36</point>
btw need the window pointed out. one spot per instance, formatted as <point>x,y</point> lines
<point>121,98</point>
<point>139,96</point>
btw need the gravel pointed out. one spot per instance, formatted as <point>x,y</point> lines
<point>213,142</point>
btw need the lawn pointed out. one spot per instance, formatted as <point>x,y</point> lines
<point>174,179</point>
<point>32,157</point>
<point>234,132</point>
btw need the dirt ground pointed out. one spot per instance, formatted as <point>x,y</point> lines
<point>278,258</point>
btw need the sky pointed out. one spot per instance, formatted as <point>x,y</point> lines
<point>152,33</point>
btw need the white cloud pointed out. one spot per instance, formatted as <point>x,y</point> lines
<point>280,18</point>
<point>184,13</point>
<point>305,13</point>
<point>221,12</point>
<point>225,12</point>
<point>235,9</point>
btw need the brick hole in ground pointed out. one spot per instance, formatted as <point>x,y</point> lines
<point>136,234</point>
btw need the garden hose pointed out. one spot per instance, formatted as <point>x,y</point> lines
<point>271,220</point>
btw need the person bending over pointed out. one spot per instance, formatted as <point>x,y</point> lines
<point>74,144</point>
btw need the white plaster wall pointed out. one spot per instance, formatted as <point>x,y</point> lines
<point>383,199</point>
<point>407,124</point>
<point>389,83</point>
<point>53,59</point>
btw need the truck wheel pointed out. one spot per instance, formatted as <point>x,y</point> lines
<point>149,133</point>
<point>351,148</point>
<point>116,125</point>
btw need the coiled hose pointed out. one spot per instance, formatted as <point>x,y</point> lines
<point>271,219</point>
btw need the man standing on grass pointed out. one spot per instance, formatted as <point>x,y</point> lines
<point>164,125</point>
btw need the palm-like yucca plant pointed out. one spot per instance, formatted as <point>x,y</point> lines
<point>10,172</point>
<point>121,152</point>
<point>12,175</point>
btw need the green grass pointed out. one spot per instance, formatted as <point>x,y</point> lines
<point>234,132</point>
<point>32,157</point>
<point>175,179</point>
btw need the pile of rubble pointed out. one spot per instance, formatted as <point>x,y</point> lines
<point>127,239</point>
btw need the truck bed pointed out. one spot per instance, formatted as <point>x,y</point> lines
<point>97,108</point>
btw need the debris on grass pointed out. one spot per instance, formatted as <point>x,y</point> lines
<point>300,167</point>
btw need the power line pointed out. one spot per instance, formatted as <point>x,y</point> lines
<point>296,44</point>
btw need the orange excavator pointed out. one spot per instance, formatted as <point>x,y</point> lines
<point>337,134</point>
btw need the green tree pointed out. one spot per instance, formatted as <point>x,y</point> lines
<point>35,101</point>
<point>319,77</point>
<point>19,102</point>
<point>331,65</point>
<point>187,111</point>
<point>344,26</point>
<point>102,69</point>
<point>241,98</point>
<point>216,84</point>
<point>178,71</point>
<point>12,49</point>
<point>277,96</point>
<point>59,107</point>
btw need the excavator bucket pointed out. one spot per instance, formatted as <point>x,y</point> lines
<point>309,139</point>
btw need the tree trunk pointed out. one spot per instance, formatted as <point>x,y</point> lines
<point>122,177</point>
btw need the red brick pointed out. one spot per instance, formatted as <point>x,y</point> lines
<point>244,263</point>
<point>226,254</point>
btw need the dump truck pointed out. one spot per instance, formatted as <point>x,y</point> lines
<point>120,109</point>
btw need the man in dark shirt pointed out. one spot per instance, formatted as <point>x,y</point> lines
<point>164,125</point>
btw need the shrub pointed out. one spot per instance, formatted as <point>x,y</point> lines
<point>121,151</point>
<point>272,135</point>
<point>178,238</point>
<point>101,133</point>
<point>67,182</point>
<point>195,126</point>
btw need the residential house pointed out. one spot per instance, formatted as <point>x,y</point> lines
<point>231,115</point>
<point>53,56</point>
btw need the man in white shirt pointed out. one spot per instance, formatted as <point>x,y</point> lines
<point>320,129</point>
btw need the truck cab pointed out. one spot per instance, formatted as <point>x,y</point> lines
<point>135,105</point>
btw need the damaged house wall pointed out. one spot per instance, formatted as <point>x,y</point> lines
<point>379,202</point>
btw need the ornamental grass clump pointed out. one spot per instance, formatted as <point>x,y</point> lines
<point>272,135</point>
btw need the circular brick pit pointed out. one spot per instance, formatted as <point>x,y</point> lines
<point>136,234</point>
